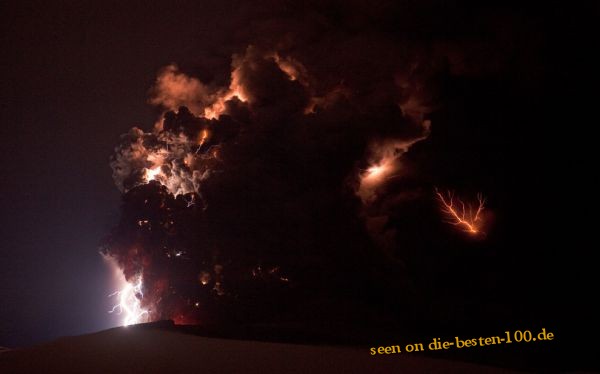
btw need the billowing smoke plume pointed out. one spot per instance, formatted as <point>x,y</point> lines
<point>255,186</point>
<point>279,177</point>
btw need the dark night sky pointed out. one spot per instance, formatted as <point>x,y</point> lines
<point>77,75</point>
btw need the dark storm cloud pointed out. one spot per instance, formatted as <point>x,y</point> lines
<point>269,195</point>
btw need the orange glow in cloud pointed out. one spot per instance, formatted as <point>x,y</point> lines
<point>151,174</point>
<point>217,108</point>
<point>377,173</point>
<point>460,214</point>
<point>291,67</point>
<point>386,164</point>
<point>375,176</point>
<point>174,89</point>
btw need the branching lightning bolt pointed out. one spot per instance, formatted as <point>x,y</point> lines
<point>460,214</point>
<point>130,303</point>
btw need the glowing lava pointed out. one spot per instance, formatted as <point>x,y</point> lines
<point>460,214</point>
<point>130,303</point>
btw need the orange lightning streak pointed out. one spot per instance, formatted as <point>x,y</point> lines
<point>461,214</point>
<point>202,137</point>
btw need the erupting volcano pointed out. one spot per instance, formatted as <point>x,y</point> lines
<point>329,172</point>
<point>253,192</point>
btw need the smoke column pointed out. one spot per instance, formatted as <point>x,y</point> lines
<point>282,171</point>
